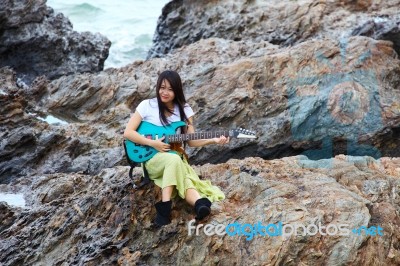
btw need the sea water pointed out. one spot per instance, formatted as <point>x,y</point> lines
<point>129,25</point>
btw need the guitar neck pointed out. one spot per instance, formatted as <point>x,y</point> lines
<point>194,136</point>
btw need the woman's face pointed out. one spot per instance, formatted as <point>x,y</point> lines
<point>166,92</point>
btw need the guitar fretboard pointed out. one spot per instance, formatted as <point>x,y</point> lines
<point>193,136</point>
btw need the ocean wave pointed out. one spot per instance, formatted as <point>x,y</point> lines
<point>85,10</point>
<point>129,25</point>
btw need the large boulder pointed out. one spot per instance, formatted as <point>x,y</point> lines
<point>35,41</point>
<point>324,97</point>
<point>346,205</point>
<point>279,22</point>
<point>30,145</point>
<point>319,98</point>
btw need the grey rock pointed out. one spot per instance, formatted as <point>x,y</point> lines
<point>284,23</point>
<point>99,219</point>
<point>35,41</point>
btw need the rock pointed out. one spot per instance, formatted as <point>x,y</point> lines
<point>279,22</point>
<point>285,127</point>
<point>305,91</point>
<point>101,220</point>
<point>35,41</point>
<point>381,29</point>
<point>8,215</point>
<point>31,146</point>
<point>320,98</point>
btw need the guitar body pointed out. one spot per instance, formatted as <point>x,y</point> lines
<point>140,153</point>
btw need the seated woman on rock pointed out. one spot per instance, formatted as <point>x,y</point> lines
<point>168,168</point>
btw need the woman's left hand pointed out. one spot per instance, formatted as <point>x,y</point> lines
<point>221,140</point>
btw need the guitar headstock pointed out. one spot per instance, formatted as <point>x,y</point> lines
<point>242,133</point>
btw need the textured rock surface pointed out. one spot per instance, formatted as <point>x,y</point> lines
<point>278,22</point>
<point>35,41</point>
<point>100,220</point>
<point>381,29</point>
<point>30,145</point>
<point>294,98</point>
<point>321,97</point>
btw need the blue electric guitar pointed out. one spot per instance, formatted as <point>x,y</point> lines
<point>141,153</point>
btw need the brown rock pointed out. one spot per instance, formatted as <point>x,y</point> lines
<point>93,224</point>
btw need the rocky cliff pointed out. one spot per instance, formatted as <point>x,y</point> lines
<point>295,99</point>
<point>310,96</point>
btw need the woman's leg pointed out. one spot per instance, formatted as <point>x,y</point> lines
<point>163,169</point>
<point>192,196</point>
<point>202,206</point>
<point>171,173</point>
<point>167,193</point>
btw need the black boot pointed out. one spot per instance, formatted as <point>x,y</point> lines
<point>163,213</point>
<point>202,208</point>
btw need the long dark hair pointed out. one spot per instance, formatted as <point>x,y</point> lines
<point>175,81</point>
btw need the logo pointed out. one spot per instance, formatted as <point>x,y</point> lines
<point>279,229</point>
<point>342,104</point>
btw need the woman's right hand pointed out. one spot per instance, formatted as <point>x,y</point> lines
<point>160,145</point>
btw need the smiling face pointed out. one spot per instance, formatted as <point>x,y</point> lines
<point>169,91</point>
<point>166,93</point>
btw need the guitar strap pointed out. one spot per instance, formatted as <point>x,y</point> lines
<point>177,147</point>
<point>145,178</point>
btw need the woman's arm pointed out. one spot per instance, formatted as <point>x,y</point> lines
<point>203,142</point>
<point>131,134</point>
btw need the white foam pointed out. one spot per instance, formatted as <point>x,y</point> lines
<point>16,200</point>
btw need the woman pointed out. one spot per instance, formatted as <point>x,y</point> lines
<point>169,169</point>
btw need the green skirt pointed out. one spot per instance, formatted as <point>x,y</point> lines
<point>168,169</point>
